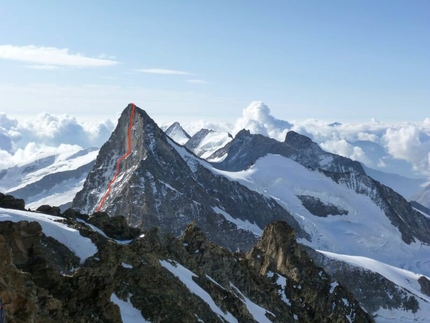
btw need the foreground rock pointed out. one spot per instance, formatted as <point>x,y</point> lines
<point>164,278</point>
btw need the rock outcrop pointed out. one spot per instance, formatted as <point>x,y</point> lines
<point>10,202</point>
<point>278,256</point>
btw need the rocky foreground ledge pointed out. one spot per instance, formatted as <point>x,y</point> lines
<point>164,278</point>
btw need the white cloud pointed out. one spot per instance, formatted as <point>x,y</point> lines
<point>163,71</point>
<point>404,143</point>
<point>51,56</point>
<point>257,119</point>
<point>197,82</point>
<point>51,131</point>
<point>31,152</point>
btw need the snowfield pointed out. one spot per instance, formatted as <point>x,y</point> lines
<point>365,231</point>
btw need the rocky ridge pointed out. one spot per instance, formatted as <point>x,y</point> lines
<point>42,280</point>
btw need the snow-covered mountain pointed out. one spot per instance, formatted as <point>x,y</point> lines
<point>49,179</point>
<point>345,217</point>
<point>177,133</point>
<point>162,184</point>
<point>206,141</point>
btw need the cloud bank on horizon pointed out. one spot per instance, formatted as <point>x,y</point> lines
<point>401,148</point>
<point>24,140</point>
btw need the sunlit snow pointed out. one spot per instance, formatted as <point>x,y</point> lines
<point>71,238</point>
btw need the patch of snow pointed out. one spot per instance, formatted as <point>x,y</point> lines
<point>185,276</point>
<point>125,265</point>
<point>282,282</point>
<point>129,314</point>
<point>241,224</point>
<point>333,285</point>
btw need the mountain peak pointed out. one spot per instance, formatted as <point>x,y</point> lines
<point>177,133</point>
<point>298,141</point>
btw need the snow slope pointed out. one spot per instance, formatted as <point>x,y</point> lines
<point>50,179</point>
<point>403,278</point>
<point>365,231</point>
<point>71,238</point>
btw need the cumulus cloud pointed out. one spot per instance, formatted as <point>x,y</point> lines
<point>163,71</point>
<point>50,57</point>
<point>404,143</point>
<point>257,119</point>
<point>19,139</point>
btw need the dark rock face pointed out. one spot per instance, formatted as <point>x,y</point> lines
<point>425,285</point>
<point>47,209</point>
<point>115,227</point>
<point>278,252</point>
<point>318,208</point>
<point>164,185</point>
<point>10,202</point>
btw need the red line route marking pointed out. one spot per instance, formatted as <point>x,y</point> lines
<point>118,163</point>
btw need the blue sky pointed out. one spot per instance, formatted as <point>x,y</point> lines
<point>331,60</point>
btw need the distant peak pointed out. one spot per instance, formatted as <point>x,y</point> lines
<point>295,139</point>
<point>243,133</point>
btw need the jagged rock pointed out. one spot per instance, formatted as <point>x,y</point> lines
<point>144,272</point>
<point>23,299</point>
<point>278,252</point>
<point>115,227</point>
<point>10,202</point>
<point>47,209</point>
<point>318,208</point>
